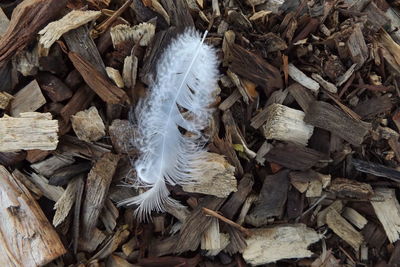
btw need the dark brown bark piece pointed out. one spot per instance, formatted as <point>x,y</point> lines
<point>231,207</point>
<point>376,169</point>
<point>272,199</point>
<point>294,157</point>
<point>374,106</point>
<point>254,68</point>
<point>330,118</point>
<point>27,19</point>
<point>54,87</point>
<point>79,101</point>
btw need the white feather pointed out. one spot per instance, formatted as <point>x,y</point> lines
<point>186,81</point>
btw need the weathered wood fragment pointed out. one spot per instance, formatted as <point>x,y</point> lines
<point>195,225</point>
<point>5,99</point>
<point>115,76</point>
<point>216,178</point>
<point>29,98</point>
<point>286,124</point>
<point>210,240</point>
<point>267,245</point>
<point>88,125</point>
<point>27,19</point>
<point>388,212</point>
<point>272,199</point>
<point>48,166</point>
<point>121,135</point>
<point>30,131</point>
<point>325,116</point>
<point>354,217</point>
<point>54,30</point>
<point>303,79</point>
<point>142,33</point>
<point>374,106</point>
<point>119,237</point>
<point>357,47</point>
<point>343,229</point>
<point>4,22</point>
<point>97,184</point>
<point>79,101</point>
<point>328,86</point>
<point>337,205</point>
<point>255,69</point>
<point>294,157</point>
<point>350,188</point>
<point>49,191</point>
<point>129,71</point>
<point>65,203</point>
<point>28,238</point>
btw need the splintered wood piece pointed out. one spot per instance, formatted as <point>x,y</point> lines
<point>212,175</point>
<point>88,125</point>
<point>303,79</point>
<point>109,216</point>
<point>31,130</point>
<point>142,33</point>
<point>343,78</point>
<point>48,166</point>
<point>302,96</point>
<point>115,76</point>
<point>35,190</point>
<point>272,199</point>
<point>195,225</point>
<point>254,68</point>
<point>286,124</point>
<point>97,184</point>
<point>376,17</point>
<point>231,207</point>
<point>357,47</point>
<point>119,237</point>
<point>267,245</point>
<point>54,87</point>
<point>325,116</point>
<point>28,238</point>
<point>65,203</point>
<point>97,81</point>
<point>343,229</point>
<point>376,169</point>
<point>5,100</point>
<point>354,217</point>
<point>27,62</point>
<point>117,261</point>
<point>29,98</point>
<point>352,189</point>
<point>54,30</point>
<point>294,157</point>
<point>262,151</point>
<point>388,212</point>
<point>328,86</point>
<point>210,240</point>
<point>26,20</point>
<point>310,181</point>
<point>49,191</point>
<point>79,101</point>
<point>337,205</point>
<point>129,71</point>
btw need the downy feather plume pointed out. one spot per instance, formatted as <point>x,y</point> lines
<point>180,98</point>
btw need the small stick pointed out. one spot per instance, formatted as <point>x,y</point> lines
<point>226,220</point>
<point>107,23</point>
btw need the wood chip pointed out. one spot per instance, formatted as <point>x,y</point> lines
<point>129,72</point>
<point>325,116</point>
<point>29,98</point>
<point>218,178</point>
<point>286,124</point>
<point>350,188</point>
<point>376,169</point>
<point>54,30</point>
<point>48,166</point>
<point>4,22</point>
<point>268,245</point>
<point>142,33</point>
<point>302,79</point>
<point>5,100</point>
<point>30,131</point>
<point>354,217</point>
<point>272,199</point>
<point>97,184</point>
<point>343,229</point>
<point>65,203</point>
<point>357,47</point>
<point>88,125</point>
<point>328,86</point>
<point>388,212</point>
<point>28,239</point>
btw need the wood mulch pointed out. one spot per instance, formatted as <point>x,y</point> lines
<point>304,150</point>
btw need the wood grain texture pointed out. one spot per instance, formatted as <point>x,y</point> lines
<point>26,236</point>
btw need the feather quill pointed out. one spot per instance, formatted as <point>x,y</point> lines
<point>180,98</point>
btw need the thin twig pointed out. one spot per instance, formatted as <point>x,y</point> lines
<point>226,220</point>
